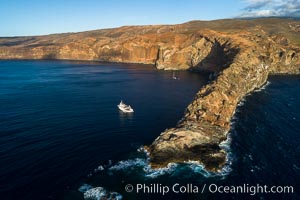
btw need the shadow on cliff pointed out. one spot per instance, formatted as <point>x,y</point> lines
<point>50,56</point>
<point>219,58</point>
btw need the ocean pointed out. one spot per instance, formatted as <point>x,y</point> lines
<point>63,137</point>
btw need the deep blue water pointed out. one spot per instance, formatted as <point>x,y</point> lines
<point>59,120</point>
<point>263,149</point>
<point>59,125</point>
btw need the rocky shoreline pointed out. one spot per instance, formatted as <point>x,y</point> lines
<point>240,54</point>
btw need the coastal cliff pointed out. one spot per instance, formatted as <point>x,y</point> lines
<point>239,54</point>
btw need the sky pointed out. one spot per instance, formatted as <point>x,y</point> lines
<point>40,17</point>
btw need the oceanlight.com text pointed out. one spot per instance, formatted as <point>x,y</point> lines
<point>250,189</point>
<point>157,188</point>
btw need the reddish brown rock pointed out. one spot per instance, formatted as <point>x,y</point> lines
<point>240,54</point>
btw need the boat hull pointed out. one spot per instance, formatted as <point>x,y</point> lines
<point>125,110</point>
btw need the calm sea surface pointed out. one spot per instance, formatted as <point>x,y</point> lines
<point>62,136</point>
<point>59,120</point>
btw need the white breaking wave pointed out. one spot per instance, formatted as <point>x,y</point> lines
<point>225,145</point>
<point>263,87</point>
<point>144,164</point>
<point>84,188</point>
<point>195,166</point>
<point>98,193</point>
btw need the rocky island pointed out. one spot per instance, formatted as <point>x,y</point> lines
<point>240,55</point>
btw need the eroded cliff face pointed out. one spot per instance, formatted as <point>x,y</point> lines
<point>206,121</point>
<point>240,54</point>
<point>160,46</point>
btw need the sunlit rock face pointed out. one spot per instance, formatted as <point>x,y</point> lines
<point>239,54</point>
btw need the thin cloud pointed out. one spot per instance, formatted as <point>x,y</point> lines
<point>268,8</point>
<point>256,4</point>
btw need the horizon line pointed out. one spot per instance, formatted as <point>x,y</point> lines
<point>137,25</point>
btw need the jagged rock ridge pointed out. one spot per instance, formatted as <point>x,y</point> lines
<point>240,54</point>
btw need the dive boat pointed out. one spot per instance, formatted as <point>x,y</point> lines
<point>125,108</point>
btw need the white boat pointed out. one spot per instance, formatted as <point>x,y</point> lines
<point>125,108</point>
<point>175,77</point>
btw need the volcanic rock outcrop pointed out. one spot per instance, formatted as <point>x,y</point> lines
<point>239,54</point>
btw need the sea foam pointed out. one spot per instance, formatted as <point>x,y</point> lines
<point>98,193</point>
<point>148,172</point>
<point>263,87</point>
<point>143,163</point>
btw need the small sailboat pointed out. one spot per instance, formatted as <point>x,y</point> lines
<point>175,77</point>
<point>125,108</point>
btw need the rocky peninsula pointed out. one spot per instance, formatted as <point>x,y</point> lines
<point>239,54</point>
